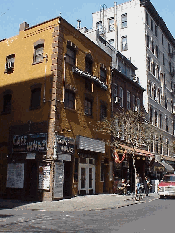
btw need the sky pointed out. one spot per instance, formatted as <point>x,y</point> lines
<point>14,12</point>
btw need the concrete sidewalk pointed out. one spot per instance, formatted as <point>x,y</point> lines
<point>79,203</point>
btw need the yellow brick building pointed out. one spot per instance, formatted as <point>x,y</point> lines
<point>55,85</point>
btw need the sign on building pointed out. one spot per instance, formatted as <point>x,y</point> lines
<point>44,177</point>
<point>15,175</point>
<point>58,180</point>
<point>65,145</point>
<point>30,143</point>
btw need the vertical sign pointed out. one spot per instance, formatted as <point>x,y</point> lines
<point>58,180</point>
<point>44,177</point>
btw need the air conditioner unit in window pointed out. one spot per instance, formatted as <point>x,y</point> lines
<point>116,100</point>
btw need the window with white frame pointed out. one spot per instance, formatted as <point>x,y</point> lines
<point>111,24</point>
<point>10,61</point>
<point>124,43</point>
<point>124,20</point>
<point>99,26</point>
<point>128,100</point>
<point>38,52</point>
<point>160,121</point>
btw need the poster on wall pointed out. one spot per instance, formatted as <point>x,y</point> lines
<point>15,175</point>
<point>58,179</point>
<point>44,177</point>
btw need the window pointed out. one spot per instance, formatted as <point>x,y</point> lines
<point>156,30</point>
<point>174,127</point>
<point>152,46</point>
<point>7,103</point>
<point>163,59</point>
<point>103,74</point>
<point>154,92</point>
<point>162,39</point>
<point>88,85</point>
<point>138,104</point>
<point>10,60</point>
<point>124,43</point>
<point>158,93</point>
<point>151,25</point>
<point>111,24</point>
<point>167,147</point>
<point>166,119</point>
<point>103,112</point>
<point>151,115</point>
<point>69,99</point>
<point>35,97</point>
<point>148,63</point>
<point>169,48</point>
<point>157,51</point>
<point>88,107</point>
<point>99,26</point>
<point>115,90</point>
<point>147,19</point>
<point>157,72</point>
<point>121,96</point>
<point>111,42</point>
<point>88,63</point>
<point>156,118</point>
<point>166,102</point>
<point>38,52</point>
<point>124,20</point>
<point>70,55</point>
<point>160,121</point>
<point>147,40</point>
<point>134,103</point>
<point>128,100</point>
<point>153,68</point>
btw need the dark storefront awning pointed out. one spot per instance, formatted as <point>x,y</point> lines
<point>85,143</point>
<point>136,151</point>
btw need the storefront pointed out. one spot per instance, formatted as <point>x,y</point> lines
<point>27,172</point>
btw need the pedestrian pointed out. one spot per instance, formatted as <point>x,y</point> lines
<point>146,186</point>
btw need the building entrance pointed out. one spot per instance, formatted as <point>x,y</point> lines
<point>86,182</point>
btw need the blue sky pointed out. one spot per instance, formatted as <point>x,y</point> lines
<point>14,12</point>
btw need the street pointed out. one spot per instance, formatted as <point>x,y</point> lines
<point>147,216</point>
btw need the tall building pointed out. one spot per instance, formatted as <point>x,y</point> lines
<point>136,29</point>
<point>55,86</point>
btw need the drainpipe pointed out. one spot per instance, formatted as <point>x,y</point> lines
<point>64,77</point>
<point>115,26</point>
<point>44,94</point>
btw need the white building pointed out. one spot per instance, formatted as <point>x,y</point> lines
<point>136,29</point>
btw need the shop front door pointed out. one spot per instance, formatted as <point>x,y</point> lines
<point>86,182</point>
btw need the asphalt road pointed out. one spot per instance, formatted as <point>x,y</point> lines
<point>151,216</point>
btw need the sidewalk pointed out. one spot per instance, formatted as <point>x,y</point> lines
<point>79,203</point>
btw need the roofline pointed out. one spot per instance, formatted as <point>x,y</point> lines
<point>130,80</point>
<point>159,21</point>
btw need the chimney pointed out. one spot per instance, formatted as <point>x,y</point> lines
<point>79,24</point>
<point>23,26</point>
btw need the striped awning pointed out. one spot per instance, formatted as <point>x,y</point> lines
<point>85,143</point>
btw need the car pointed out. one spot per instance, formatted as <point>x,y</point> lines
<point>166,187</point>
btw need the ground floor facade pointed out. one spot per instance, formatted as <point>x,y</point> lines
<point>79,165</point>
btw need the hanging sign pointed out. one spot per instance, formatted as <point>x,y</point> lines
<point>65,145</point>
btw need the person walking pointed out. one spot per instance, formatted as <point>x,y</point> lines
<point>146,186</point>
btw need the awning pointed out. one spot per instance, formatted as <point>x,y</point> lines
<point>85,143</point>
<point>167,167</point>
<point>136,151</point>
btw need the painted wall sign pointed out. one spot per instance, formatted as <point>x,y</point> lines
<point>44,177</point>
<point>65,145</point>
<point>30,143</point>
<point>15,175</point>
<point>58,179</point>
